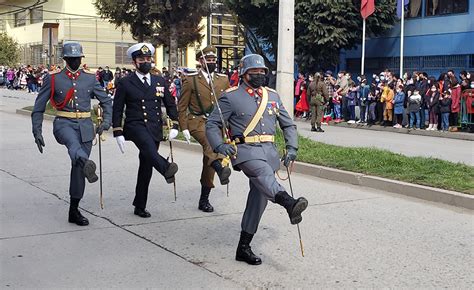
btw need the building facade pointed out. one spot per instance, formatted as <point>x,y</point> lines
<point>40,27</point>
<point>439,35</point>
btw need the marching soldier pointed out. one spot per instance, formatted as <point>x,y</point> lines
<point>194,107</point>
<point>251,111</point>
<point>141,95</point>
<point>70,91</point>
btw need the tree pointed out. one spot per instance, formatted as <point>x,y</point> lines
<point>174,24</point>
<point>322,28</point>
<point>9,50</point>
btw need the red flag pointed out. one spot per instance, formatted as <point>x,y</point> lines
<point>367,7</point>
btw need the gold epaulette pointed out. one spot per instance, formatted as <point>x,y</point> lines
<point>271,90</point>
<point>231,89</point>
<point>88,72</point>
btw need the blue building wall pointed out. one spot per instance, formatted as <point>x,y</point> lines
<point>432,43</point>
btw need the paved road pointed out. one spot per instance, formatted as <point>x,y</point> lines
<point>410,145</point>
<point>354,236</point>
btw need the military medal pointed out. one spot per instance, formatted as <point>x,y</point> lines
<point>160,91</point>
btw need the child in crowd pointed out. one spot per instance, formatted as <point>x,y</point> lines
<point>414,104</point>
<point>445,109</point>
<point>398,103</point>
<point>336,100</point>
<point>387,97</point>
<point>351,102</point>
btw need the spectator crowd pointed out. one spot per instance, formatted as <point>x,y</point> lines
<point>415,101</point>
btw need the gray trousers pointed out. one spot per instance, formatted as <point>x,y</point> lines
<point>71,138</point>
<point>263,188</point>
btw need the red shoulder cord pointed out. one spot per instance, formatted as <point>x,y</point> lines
<point>60,105</point>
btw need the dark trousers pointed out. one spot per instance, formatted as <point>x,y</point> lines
<point>344,111</point>
<point>149,159</point>
<point>71,138</point>
<point>372,117</point>
<point>351,115</point>
<point>379,111</point>
<point>453,119</point>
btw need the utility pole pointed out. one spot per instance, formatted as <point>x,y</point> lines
<point>286,55</point>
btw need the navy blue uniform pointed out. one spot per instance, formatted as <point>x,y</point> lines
<point>143,124</point>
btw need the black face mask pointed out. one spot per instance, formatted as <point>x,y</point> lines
<point>256,80</point>
<point>73,62</point>
<point>211,67</point>
<point>144,67</point>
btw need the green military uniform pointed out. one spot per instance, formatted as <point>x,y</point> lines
<point>195,105</point>
<point>317,98</point>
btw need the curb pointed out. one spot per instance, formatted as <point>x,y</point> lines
<point>394,186</point>
<point>449,135</point>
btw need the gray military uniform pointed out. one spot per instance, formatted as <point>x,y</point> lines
<point>258,161</point>
<point>76,134</point>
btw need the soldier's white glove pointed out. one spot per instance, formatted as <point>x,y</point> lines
<point>187,135</point>
<point>121,143</point>
<point>173,134</point>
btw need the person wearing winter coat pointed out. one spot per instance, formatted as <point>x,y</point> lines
<point>387,97</point>
<point>431,101</point>
<point>414,106</point>
<point>398,102</point>
<point>455,107</point>
<point>445,109</point>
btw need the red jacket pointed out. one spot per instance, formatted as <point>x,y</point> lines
<point>456,97</point>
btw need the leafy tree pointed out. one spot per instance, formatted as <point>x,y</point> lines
<point>322,27</point>
<point>174,24</point>
<point>9,50</point>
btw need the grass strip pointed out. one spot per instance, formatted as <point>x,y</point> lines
<point>383,163</point>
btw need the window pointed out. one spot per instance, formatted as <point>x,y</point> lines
<point>414,9</point>
<point>444,7</point>
<point>36,15</point>
<point>20,18</point>
<point>121,53</point>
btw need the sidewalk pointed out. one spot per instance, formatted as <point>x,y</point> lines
<point>353,236</point>
<point>453,150</point>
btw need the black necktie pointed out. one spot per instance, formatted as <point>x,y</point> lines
<point>145,82</point>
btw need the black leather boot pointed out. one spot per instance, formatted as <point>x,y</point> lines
<point>88,168</point>
<point>294,207</point>
<point>244,251</point>
<point>222,172</point>
<point>75,215</point>
<point>204,204</point>
<point>170,172</point>
<point>313,129</point>
<point>319,130</point>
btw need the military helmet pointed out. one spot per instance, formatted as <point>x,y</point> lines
<point>251,61</point>
<point>72,49</point>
